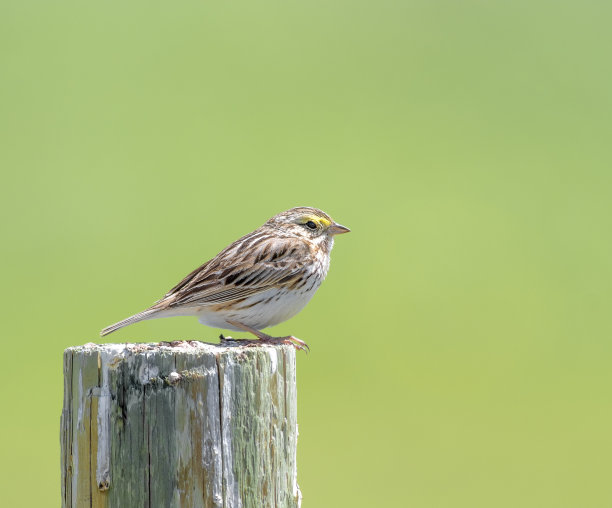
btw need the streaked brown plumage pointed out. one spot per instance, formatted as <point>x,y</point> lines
<point>258,281</point>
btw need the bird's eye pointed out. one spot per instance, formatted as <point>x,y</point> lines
<point>311,225</point>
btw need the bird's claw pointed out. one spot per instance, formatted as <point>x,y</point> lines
<point>290,340</point>
<point>300,345</point>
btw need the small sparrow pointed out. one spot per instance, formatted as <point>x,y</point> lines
<point>260,280</point>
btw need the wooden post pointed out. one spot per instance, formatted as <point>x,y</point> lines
<point>194,425</point>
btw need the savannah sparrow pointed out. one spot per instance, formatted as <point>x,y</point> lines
<point>260,280</point>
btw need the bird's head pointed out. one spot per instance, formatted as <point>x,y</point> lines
<point>308,223</point>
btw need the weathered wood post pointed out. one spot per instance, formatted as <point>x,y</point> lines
<point>194,425</point>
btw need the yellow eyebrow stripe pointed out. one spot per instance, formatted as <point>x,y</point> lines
<point>318,220</point>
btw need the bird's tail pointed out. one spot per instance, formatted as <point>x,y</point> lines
<point>141,316</point>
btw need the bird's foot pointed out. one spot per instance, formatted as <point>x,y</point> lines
<point>267,339</point>
<point>264,338</point>
<point>290,340</point>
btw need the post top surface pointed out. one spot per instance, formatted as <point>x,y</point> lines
<point>172,347</point>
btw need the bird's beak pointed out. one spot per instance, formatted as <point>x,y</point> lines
<point>338,229</point>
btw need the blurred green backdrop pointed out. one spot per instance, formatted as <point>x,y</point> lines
<point>461,345</point>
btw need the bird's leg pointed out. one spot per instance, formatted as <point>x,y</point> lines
<point>267,339</point>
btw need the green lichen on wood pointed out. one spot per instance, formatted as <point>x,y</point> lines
<point>192,426</point>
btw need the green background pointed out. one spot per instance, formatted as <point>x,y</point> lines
<point>461,351</point>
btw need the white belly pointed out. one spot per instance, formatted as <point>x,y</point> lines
<point>259,311</point>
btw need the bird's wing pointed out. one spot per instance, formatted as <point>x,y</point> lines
<point>189,279</point>
<point>239,272</point>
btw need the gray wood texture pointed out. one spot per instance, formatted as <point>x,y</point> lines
<point>191,425</point>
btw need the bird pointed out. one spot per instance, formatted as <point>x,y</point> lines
<point>260,280</point>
